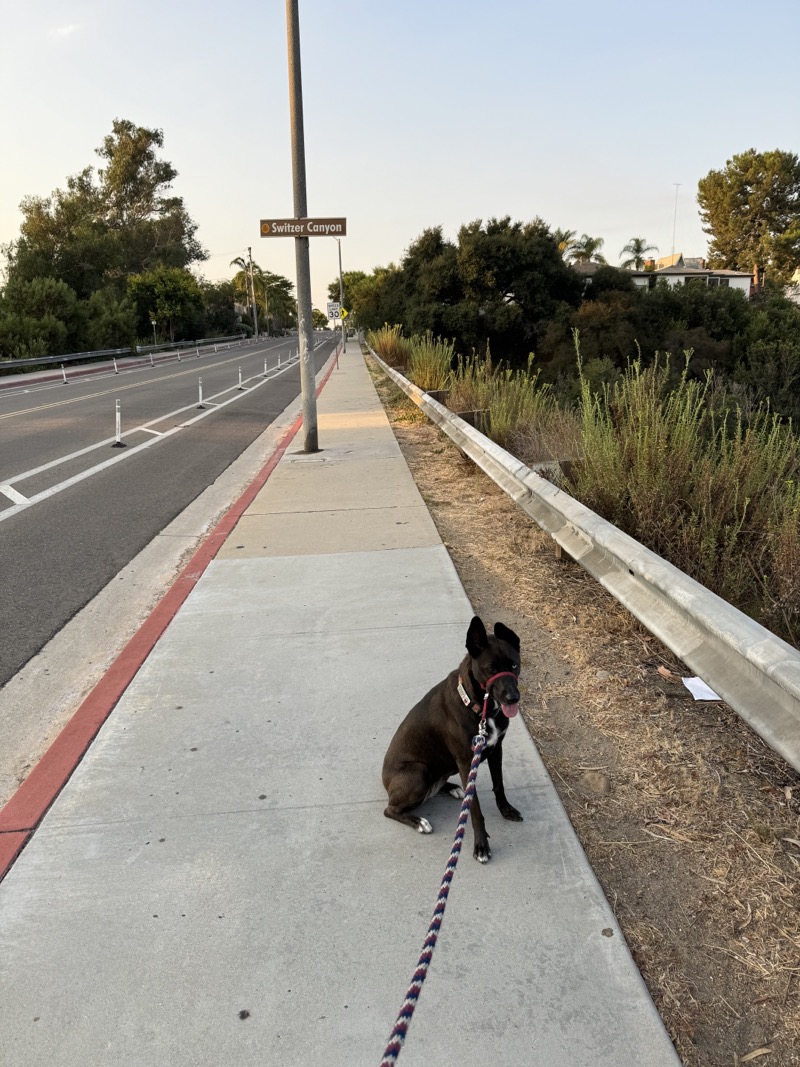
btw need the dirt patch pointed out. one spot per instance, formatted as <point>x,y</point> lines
<point>691,823</point>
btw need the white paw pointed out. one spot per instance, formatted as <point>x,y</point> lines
<point>424,827</point>
<point>458,793</point>
<point>482,859</point>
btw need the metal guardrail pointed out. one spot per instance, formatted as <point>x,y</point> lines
<point>751,669</point>
<point>108,353</point>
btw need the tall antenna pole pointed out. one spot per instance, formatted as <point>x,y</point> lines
<point>675,216</point>
<point>304,319</point>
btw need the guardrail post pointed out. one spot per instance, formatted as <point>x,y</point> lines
<point>118,443</point>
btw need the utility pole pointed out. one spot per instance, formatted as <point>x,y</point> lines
<point>341,294</point>
<point>304,320</point>
<point>253,294</point>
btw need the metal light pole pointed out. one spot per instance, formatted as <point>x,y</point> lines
<point>338,240</point>
<point>304,318</point>
<point>253,291</point>
<point>154,331</point>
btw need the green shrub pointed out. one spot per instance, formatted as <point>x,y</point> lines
<point>431,361</point>
<point>714,494</point>
<point>391,346</point>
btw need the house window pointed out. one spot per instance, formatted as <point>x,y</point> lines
<point>720,283</point>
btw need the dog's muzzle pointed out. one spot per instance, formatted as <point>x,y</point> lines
<point>510,709</point>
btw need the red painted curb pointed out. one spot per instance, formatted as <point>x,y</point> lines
<point>10,847</point>
<point>27,807</point>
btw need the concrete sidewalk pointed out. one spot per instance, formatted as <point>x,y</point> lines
<point>217,884</point>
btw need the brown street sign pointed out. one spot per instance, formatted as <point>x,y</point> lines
<point>303,227</point>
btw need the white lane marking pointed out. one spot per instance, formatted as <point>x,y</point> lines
<point>158,433</point>
<point>136,429</point>
<point>54,489</point>
<point>119,388</point>
<point>13,495</point>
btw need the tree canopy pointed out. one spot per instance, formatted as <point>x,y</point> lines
<point>751,211</point>
<point>110,223</point>
<point>274,295</point>
<point>498,284</point>
<point>98,261</point>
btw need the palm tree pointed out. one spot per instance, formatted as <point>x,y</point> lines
<point>241,281</point>
<point>272,294</point>
<point>636,250</point>
<point>564,239</point>
<point>587,250</point>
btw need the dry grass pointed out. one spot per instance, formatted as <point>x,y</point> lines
<point>691,823</point>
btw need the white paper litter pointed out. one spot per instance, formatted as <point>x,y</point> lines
<point>699,690</point>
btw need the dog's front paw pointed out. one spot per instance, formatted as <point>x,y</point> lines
<point>424,827</point>
<point>482,853</point>
<point>510,813</point>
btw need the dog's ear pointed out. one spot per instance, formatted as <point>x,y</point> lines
<point>502,633</point>
<point>477,639</point>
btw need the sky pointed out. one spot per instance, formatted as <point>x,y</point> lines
<point>597,117</point>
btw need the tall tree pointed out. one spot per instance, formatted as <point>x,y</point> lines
<point>107,225</point>
<point>220,314</point>
<point>352,283</point>
<point>751,211</point>
<point>587,249</point>
<point>170,297</point>
<point>636,251</point>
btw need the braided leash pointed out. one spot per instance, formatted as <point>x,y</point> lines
<point>398,1034</point>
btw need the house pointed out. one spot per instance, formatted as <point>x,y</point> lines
<point>680,271</point>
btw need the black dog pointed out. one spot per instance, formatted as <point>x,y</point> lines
<point>435,738</point>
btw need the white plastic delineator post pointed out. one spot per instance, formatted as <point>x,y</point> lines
<point>200,393</point>
<point>241,387</point>
<point>115,365</point>
<point>118,442</point>
<point>63,371</point>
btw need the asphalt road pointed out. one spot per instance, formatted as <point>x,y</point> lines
<point>87,520</point>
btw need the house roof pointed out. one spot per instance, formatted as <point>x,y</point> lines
<point>585,266</point>
<point>697,273</point>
